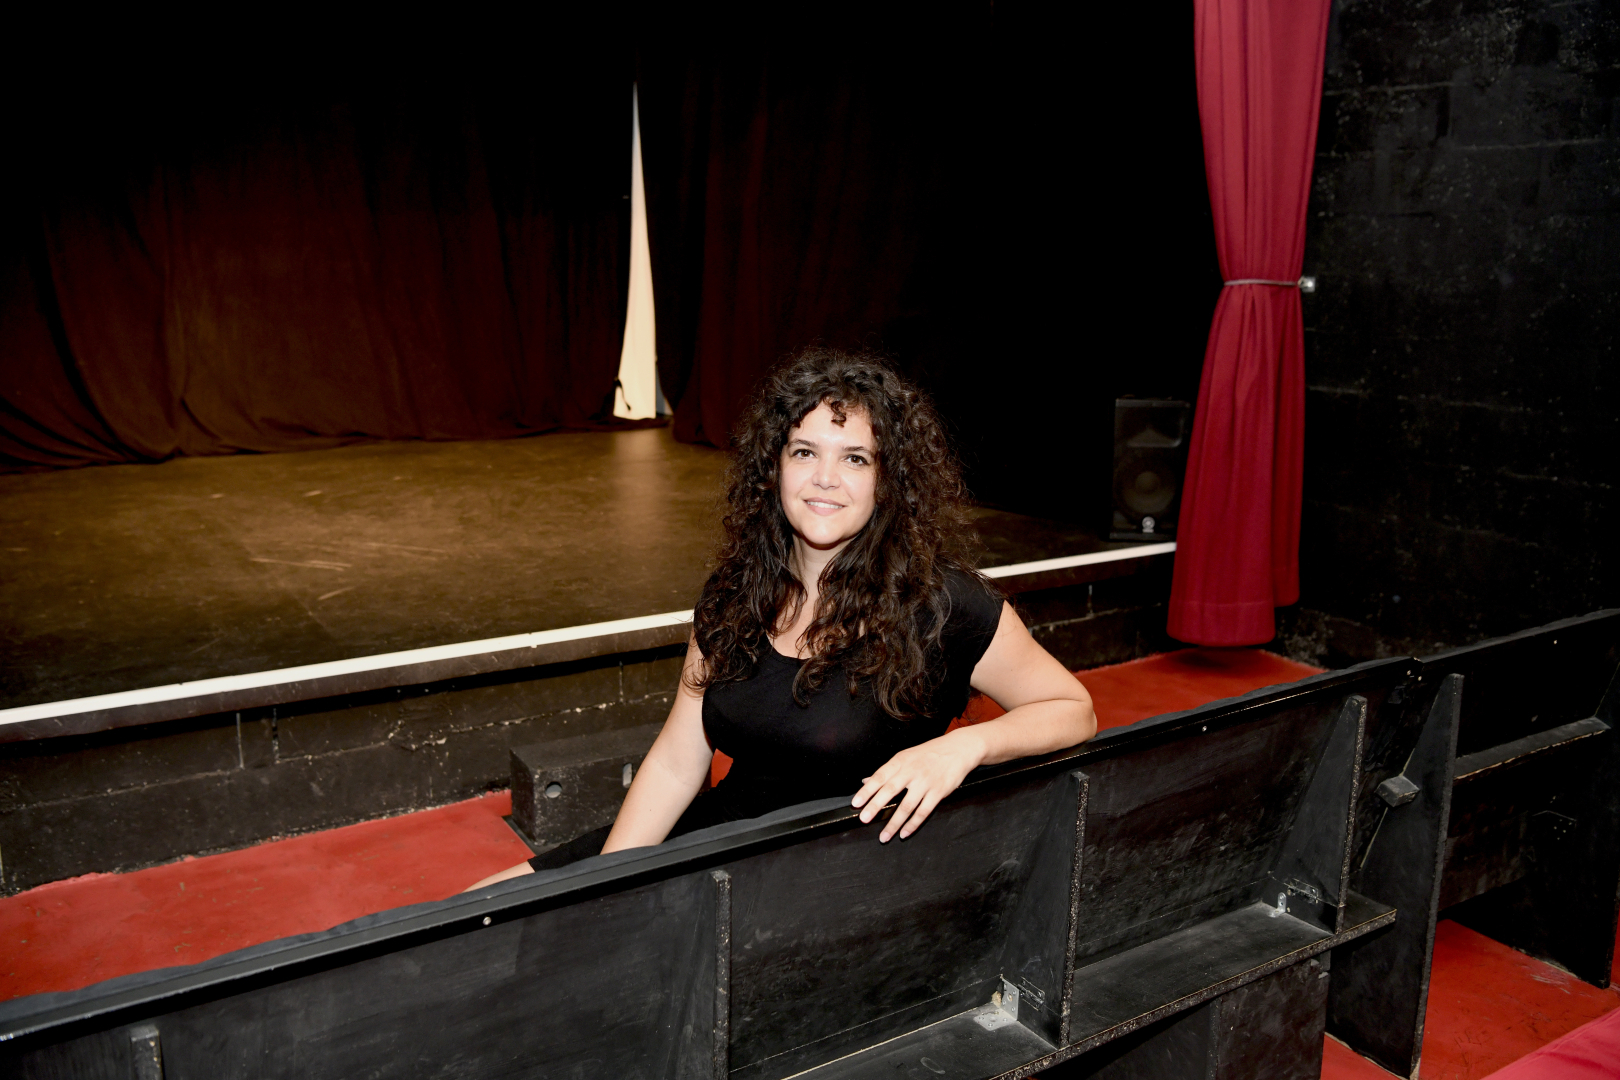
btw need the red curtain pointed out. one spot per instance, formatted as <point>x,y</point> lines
<point>1259,93</point>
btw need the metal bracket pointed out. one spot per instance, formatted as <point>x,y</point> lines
<point>1309,892</point>
<point>1024,989</point>
<point>1003,1008</point>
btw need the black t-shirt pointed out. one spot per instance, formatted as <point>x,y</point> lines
<point>784,753</point>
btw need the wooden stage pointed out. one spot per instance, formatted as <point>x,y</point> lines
<point>214,651</point>
<point>133,576</point>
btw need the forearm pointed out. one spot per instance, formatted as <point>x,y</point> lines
<point>662,790</point>
<point>1039,727</point>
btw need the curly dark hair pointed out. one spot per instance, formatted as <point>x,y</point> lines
<point>882,603</point>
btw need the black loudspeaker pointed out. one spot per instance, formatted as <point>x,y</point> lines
<point>1150,459</point>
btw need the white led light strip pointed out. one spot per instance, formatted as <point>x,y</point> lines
<point>309,672</point>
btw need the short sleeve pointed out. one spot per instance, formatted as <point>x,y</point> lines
<point>971,625</point>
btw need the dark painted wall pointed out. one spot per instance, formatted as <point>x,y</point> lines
<point>1461,413</point>
<point>1104,256</point>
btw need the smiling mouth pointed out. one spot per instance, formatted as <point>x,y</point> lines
<point>823,506</point>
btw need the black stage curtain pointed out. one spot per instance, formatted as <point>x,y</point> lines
<point>437,248</point>
<point>199,261</point>
<point>1019,221</point>
<point>813,182</point>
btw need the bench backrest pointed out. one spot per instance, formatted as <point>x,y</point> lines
<point>761,949</point>
<point>1533,681</point>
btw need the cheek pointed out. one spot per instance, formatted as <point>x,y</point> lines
<point>869,493</point>
<point>790,476</point>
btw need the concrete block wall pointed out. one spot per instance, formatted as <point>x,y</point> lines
<point>1102,622</point>
<point>145,795</point>
<point>1463,403</point>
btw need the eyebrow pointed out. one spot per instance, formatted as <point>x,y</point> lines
<point>801,441</point>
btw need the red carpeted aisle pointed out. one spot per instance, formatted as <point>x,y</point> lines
<point>1489,1007</point>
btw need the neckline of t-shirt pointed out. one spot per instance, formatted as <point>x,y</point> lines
<point>785,658</point>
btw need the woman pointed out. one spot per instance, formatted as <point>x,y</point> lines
<point>843,626</point>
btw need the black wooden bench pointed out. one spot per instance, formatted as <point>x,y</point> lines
<point>1504,747</point>
<point>1169,893</point>
<point>1380,983</point>
<point>1533,849</point>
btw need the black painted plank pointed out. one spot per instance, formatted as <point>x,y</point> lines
<point>1532,681</point>
<point>1177,1046</point>
<point>1132,989</point>
<point>1270,1028</point>
<point>619,986</point>
<point>1492,838</point>
<point>1311,873</point>
<point>1505,755</point>
<point>1125,991</point>
<point>1545,833</point>
<point>1179,832</point>
<point>957,1048</point>
<point>1273,1027</point>
<point>1380,984</point>
<point>868,941</point>
<point>719,1038</point>
<point>1043,927</point>
<point>105,1055</point>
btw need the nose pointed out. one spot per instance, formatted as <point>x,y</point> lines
<point>826,474</point>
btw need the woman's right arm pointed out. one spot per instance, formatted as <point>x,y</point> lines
<point>673,771</point>
<point>666,783</point>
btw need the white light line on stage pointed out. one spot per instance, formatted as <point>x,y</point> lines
<point>229,683</point>
<point>1043,565</point>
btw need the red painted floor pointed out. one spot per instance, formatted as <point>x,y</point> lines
<point>1169,682</point>
<point>1488,1006</point>
<point>77,932</point>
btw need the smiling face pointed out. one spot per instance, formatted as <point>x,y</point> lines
<point>829,480</point>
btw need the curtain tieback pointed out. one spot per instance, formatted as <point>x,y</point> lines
<point>1264,281</point>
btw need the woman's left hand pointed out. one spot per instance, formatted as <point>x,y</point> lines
<point>927,773</point>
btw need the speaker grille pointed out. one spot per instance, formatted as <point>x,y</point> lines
<point>1150,457</point>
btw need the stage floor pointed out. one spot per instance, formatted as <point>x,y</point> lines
<point>122,577</point>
